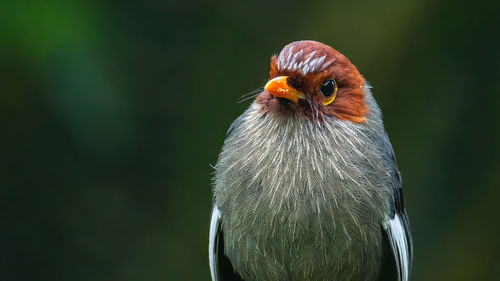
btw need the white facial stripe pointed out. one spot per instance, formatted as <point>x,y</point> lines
<point>295,61</point>
<point>311,55</point>
<point>290,52</point>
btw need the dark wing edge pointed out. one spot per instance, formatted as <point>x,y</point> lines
<point>236,123</point>
<point>215,225</point>
<point>397,228</point>
<point>213,242</point>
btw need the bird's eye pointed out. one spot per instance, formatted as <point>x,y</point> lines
<point>329,90</point>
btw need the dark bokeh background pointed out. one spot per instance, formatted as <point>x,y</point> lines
<point>112,112</point>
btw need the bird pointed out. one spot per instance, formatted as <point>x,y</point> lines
<point>306,186</point>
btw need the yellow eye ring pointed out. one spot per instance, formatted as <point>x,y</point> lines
<point>329,91</point>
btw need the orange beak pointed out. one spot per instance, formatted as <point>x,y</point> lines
<point>280,89</point>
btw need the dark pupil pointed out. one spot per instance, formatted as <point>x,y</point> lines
<point>328,88</point>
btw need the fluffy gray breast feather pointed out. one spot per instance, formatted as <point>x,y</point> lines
<point>297,200</point>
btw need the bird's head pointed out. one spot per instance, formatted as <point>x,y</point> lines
<point>315,80</point>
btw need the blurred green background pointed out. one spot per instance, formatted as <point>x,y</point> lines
<point>112,112</point>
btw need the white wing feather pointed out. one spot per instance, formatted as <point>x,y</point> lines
<point>399,243</point>
<point>212,243</point>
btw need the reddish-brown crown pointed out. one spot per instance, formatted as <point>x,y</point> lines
<point>308,64</point>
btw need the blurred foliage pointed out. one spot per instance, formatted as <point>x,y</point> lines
<point>112,112</point>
